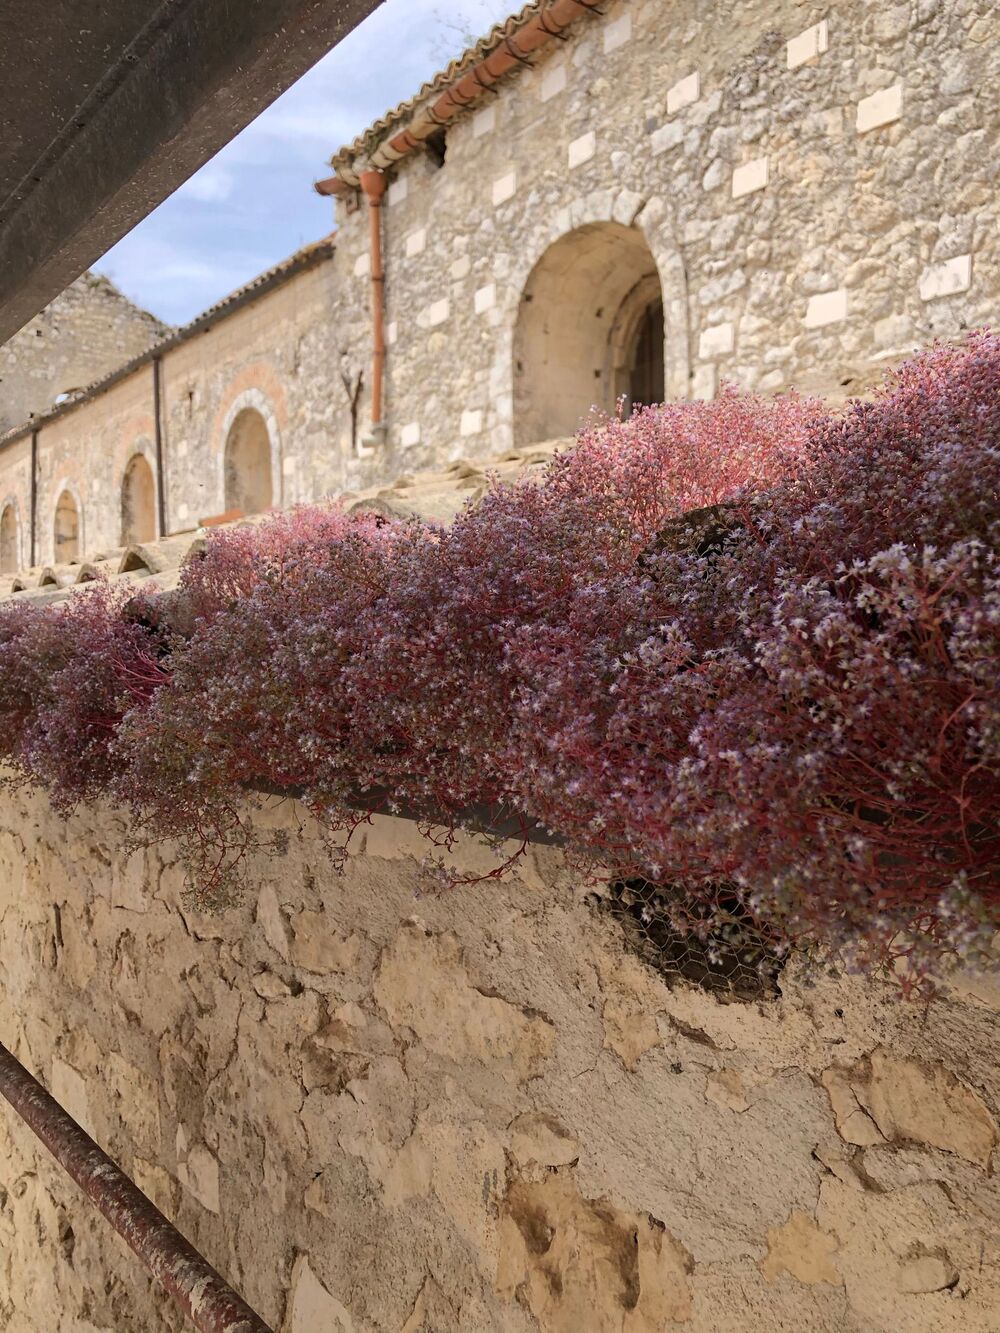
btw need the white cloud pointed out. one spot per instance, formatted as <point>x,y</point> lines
<point>253,203</point>
<point>211,185</point>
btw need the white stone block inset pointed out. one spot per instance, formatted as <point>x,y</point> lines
<point>683,93</point>
<point>809,44</point>
<point>553,82</point>
<point>826,308</point>
<point>471,422</point>
<point>484,122</point>
<point>704,384</point>
<point>410,435</point>
<point>882,108</point>
<point>438,312</point>
<point>893,330</point>
<point>582,150</point>
<point>716,341</point>
<point>362,266</point>
<point>391,332</point>
<point>416,242</point>
<point>749,177</point>
<point>504,188</point>
<point>667,136</point>
<point>946,279</point>
<point>397,191</point>
<point>485,298</point>
<point>617,33</point>
<point>461,267</point>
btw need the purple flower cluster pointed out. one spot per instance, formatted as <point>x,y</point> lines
<point>749,643</point>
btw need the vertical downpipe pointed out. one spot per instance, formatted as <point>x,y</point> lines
<point>34,498</point>
<point>161,481</point>
<point>373,185</point>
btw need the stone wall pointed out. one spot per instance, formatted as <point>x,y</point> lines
<point>84,334</point>
<point>807,184</point>
<point>807,177</point>
<point>375,1108</point>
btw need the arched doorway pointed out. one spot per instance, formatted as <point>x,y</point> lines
<point>138,502</point>
<point>589,331</point>
<point>67,529</point>
<point>248,464</point>
<point>9,555</point>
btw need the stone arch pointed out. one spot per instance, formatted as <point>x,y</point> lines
<point>10,537</point>
<point>627,207</point>
<point>251,454</point>
<point>590,312</point>
<point>67,526</point>
<point>247,463</point>
<point>138,501</point>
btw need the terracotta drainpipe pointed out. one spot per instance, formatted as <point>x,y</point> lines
<point>34,497</point>
<point>373,184</point>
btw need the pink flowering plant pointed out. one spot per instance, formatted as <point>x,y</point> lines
<point>744,649</point>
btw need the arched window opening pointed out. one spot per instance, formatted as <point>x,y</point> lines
<point>248,464</point>
<point>589,332</point>
<point>9,560</point>
<point>67,530</point>
<point>138,502</point>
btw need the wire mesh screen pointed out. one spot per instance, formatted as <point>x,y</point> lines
<point>710,941</point>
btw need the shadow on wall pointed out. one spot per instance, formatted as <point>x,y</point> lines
<point>248,464</point>
<point>9,554</point>
<point>67,530</point>
<point>589,331</point>
<point>138,502</point>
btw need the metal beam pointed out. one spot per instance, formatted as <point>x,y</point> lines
<point>173,92</point>
<point>204,1296</point>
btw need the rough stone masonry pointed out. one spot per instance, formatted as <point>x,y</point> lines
<point>779,194</point>
<point>376,1109</point>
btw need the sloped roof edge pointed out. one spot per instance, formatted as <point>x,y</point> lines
<point>457,67</point>
<point>368,140</point>
<point>305,258</point>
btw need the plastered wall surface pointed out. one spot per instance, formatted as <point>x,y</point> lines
<point>378,1108</point>
<point>813,186</point>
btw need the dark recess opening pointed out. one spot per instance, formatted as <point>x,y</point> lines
<point>710,940</point>
<point>646,380</point>
<point>437,147</point>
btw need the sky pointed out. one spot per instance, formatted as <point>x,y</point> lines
<point>253,203</point>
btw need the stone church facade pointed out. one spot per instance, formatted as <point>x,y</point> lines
<point>655,197</point>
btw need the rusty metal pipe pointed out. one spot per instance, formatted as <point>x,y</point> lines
<point>202,1293</point>
<point>373,184</point>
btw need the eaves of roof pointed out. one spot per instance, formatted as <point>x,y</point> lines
<point>306,258</point>
<point>379,128</point>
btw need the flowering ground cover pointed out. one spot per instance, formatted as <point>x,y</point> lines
<point>750,643</point>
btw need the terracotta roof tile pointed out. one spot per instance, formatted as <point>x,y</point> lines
<point>378,129</point>
<point>433,496</point>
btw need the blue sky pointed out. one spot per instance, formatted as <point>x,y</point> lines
<point>253,203</point>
